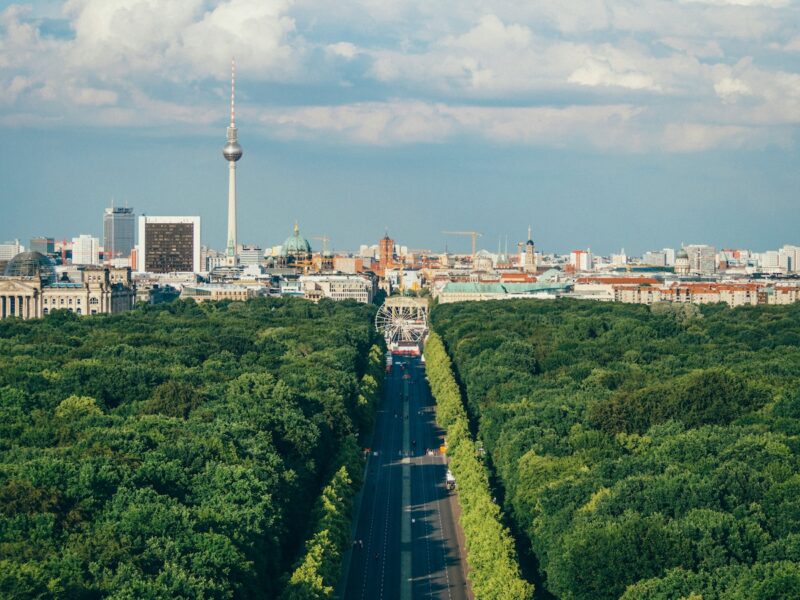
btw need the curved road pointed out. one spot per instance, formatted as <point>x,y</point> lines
<point>407,537</point>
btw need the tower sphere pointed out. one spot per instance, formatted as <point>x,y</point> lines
<point>232,151</point>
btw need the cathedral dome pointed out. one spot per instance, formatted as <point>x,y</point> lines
<point>32,264</point>
<point>296,245</point>
<point>682,253</point>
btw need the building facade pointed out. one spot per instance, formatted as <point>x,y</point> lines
<point>43,245</point>
<point>29,290</point>
<point>702,259</point>
<point>386,251</point>
<point>169,245</point>
<point>85,250</point>
<point>338,287</point>
<point>119,230</point>
<point>250,255</point>
<point>204,293</point>
<point>9,250</point>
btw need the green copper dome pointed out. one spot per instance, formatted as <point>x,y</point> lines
<point>296,245</point>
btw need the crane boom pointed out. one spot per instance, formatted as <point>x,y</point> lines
<point>473,234</point>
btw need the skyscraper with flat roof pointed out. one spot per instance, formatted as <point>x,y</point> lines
<point>169,245</point>
<point>43,245</point>
<point>118,232</point>
<point>85,250</point>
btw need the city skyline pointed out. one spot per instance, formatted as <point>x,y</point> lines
<point>613,131</point>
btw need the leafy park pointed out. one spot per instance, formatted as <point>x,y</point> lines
<point>182,450</point>
<point>640,453</point>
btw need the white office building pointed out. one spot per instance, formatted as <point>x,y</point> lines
<point>85,250</point>
<point>9,250</point>
<point>655,259</point>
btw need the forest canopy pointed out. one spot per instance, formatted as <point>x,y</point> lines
<point>173,451</point>
<point>643,453</point>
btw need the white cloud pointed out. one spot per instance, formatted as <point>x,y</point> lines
<point>696,137</point>
<point>87,96</point>
<point>181,40</point>
<point>701,49</point>
<point>730,89</point>
<point>600,72</point>
<point>604,73</point>
<point>405,122</point>
<point>343,49</point>
<point>767,3</point>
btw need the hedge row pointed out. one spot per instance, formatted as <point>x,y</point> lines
<point>494,570</point>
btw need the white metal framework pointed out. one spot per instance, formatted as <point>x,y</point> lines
<point>403,320</point>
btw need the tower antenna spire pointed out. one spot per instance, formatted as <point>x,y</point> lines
<point>233,92</point>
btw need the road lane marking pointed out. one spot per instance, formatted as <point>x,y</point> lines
<point>405,517</point>
<point>378,476</point>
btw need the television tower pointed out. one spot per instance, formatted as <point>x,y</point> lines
<point>232,152</point>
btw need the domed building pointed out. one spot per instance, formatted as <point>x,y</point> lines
<point>29,290</point>
<point>32,264</point>
<point>296,248</point>
<point>682,262</point>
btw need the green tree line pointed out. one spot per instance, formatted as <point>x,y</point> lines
<point>318,571</point>
<point>175,451</point>
<point>644,453</point>
<point>491,555</point>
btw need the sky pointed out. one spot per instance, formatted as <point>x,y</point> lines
<point>602,124</point>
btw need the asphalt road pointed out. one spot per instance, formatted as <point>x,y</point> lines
<point>406,541</point>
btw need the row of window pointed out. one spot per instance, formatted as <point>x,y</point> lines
<point>76,311</point>
<point>60,301</point>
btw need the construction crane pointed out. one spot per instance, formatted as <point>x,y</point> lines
<point>324,239</point>
<point>473,234</point>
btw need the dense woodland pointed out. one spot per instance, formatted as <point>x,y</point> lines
<point>177,451</point>
<point>643,453</point>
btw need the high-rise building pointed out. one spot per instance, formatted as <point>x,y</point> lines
<point>85,250</point>
<point>232,153</point>
<point>669,256</point>
<point>169,245</point>
<point>43,245</point>
<point>702,259</point>
<point>582,260</point>
<point>250,255</point>
<point>118,232</point>
<point>9,250</point>
<point>789,258</point>
<point>655,258</point>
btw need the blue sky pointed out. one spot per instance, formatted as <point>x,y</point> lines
<point>602,123</point>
